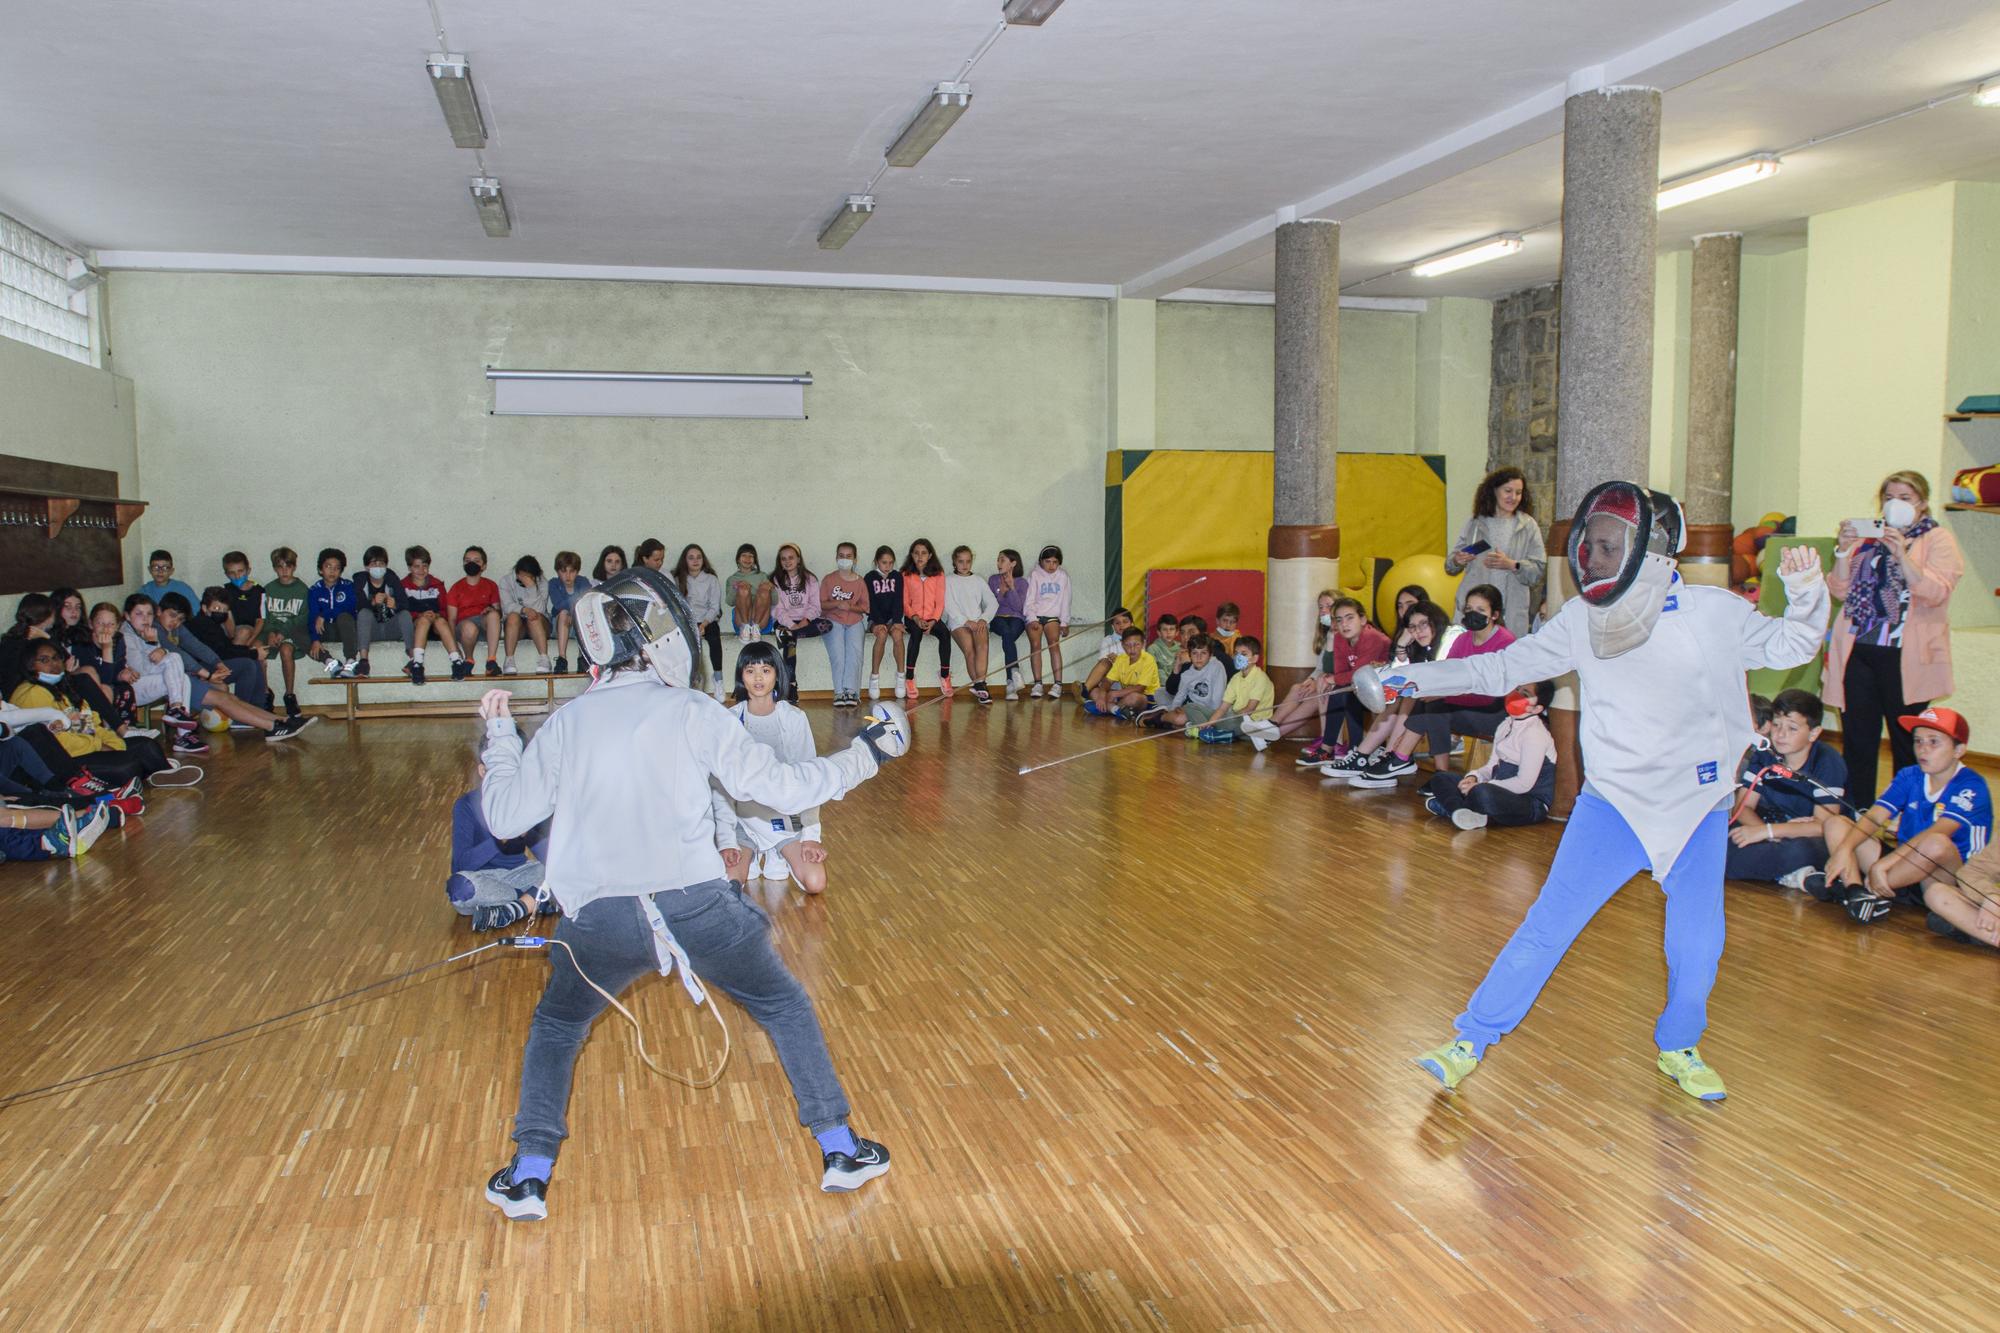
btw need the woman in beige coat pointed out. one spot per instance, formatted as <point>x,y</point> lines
<point>1890,651</point>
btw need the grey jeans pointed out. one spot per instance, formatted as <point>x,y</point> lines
<point>370,630</point>
<point>729,942</point>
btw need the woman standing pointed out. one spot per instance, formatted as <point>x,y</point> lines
<point>1502,543</point>
<point>1890,651</point>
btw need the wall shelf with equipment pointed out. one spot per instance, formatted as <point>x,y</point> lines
<point>61,526</point>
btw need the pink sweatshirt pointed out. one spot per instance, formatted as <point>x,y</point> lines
<point>843,598</point>
<point>1525,743</point>
<point>795,608</point>
<point>1048,594</point>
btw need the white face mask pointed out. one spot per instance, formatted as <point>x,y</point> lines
<point>844,565</point>
<point>1899,513</point>
<point>1326,619</point>
<point>377,571</point>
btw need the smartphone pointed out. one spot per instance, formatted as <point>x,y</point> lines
<point>1868,527</point>
<point>1481,548</point>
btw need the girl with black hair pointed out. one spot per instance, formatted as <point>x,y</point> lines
<point>885,615</point>
<point>1010,618</point>
<point>923,613</point>
<point>1384,752</point>
<point>756,840</point>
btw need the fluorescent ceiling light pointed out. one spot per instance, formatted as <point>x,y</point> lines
<point>1705,183</point>
<point>1028,13</point>
<point>492,206</point>
<point>1987,93</point>
<point>855,210</point>
<point>1493,247</point>
<point>451,78</point>
<point>947,103</point>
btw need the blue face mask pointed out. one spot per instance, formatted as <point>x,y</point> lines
<point>49,677</point>
<point>1242,661</point>
<point>240,580</point>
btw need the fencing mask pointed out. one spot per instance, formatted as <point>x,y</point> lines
<point>636,614</point>
<point>1621,551</point>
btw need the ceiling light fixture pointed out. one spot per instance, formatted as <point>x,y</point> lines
<point>946,104</point>
<point>451,79</point>
<point>1465,256</point>
<point>1717,179</point>
<point>854,210</point>
<point>1028,13</point>
<point>1987,93</point>
<point>492,206</point>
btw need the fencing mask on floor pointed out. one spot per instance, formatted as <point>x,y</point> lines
<point>1621,551</point>
<point>639,614</point>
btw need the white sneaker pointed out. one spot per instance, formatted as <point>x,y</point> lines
<point>715,688</point>
<point>774,867</point>
<point>510,669</point>
<point>335,668</point>
<point>1036,692</point>
<point>874,687</point>
<point>1791,879</point>
<point>1468,819</point>
<point>748,634</point>
<point>144,733</point>
<point>1013,690</point>
<point>542,665</point>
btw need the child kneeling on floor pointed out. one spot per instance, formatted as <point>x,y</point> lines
<point>1516,786</point>
<point>755,840</point>
<point>492,880</point>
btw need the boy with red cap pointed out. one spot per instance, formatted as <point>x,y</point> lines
<point>1943,814</point>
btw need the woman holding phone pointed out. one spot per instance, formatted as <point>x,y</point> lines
<point>1502,545</point>
<point>1890,650</point>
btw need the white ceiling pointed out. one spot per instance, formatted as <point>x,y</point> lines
<point>1125,138</point>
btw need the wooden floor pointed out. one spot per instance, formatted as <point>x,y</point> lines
<point>1137,1030</point>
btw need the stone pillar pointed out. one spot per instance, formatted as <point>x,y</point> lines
<point>1711,447</point>
<point>1521,414</point>
<point>1611,179</point>
<point>1304,544</point>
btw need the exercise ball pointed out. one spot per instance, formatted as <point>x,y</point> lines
<point>1427,572</point>
<point>213,721</point>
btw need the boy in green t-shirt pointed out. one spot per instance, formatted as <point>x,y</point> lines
<point>1166,644</point>
<point>285,627</point>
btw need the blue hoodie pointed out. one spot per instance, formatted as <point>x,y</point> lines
<point>473,846</point>
<point>324,604</point>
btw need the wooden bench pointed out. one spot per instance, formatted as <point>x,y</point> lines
<point>452,705</point>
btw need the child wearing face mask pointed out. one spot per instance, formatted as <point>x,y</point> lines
<point>843,601</point>
<point>245,599</point>
<point>1483,631</point>
<point>473,604</point>
<point>1247,700</point>
<point>1515,786</point>
<point>382,610</point>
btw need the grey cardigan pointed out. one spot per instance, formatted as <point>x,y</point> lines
<point>1518,536</point>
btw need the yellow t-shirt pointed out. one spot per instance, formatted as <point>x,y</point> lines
<point>1250,693</point>
<point>1143,673</point>
<point>78,741</point>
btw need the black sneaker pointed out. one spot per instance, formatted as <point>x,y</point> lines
<point>1381,770</point>
<point>982,694</point>
<point>1819,886</point>
<point>1431,804</point>
<point>288,728</point>
<point>361,667</point>
<point>416,673</point>
<point>524,1200</point>
<point>492,668</point>
<point>842,1172</point>
<point>460,669</point>
<point>562,666</point>
<point>291,705</point>
<point>1939,926</point>
<point>1865,907</point>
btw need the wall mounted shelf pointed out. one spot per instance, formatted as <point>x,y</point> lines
<point>51,510</point>
<point>1972,416</point>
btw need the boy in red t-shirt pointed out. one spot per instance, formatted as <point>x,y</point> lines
<point>474,604</point>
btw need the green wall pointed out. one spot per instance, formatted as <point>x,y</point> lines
<point>1770,360</point>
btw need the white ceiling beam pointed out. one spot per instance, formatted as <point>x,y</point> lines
<point>175,261</point>
<point>1696,48</point>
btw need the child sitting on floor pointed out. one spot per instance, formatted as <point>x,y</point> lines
<point>1128,682</point>
<point>1516,785</point>
<point>1247,700</point>
<point>1198,691</point>
<point>1966,906</point>
<point>757,841</point>
<point>1943,813</point>
<point>1166,644</point>
<point>1109,648</point>
<point>493,881</point>
<point>1778,834</point>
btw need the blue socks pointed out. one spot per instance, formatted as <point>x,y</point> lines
<point>838,1139</point>
<point>533,1168</point>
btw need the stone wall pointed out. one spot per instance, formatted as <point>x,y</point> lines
<point>1521,414</point>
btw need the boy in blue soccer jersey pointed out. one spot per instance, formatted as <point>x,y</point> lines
<point>1943,814</point>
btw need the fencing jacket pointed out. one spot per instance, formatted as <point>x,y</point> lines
<point>1664,724</point>
<point>623,771</point>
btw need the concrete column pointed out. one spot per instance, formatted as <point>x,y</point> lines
<point>1611,179</point>
<point>1611,176</point>
<point>1711,447</point>
<point>1304,546</point>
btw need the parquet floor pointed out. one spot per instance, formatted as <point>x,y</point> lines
<point>1137,1030</point>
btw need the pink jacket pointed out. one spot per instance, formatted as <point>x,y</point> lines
<point>1926,624</point>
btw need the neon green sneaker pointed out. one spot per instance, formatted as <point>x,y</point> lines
<point>1449,1063</point>
<point>1696,1079</point>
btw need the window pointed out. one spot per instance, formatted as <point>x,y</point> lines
<point>36,303</point>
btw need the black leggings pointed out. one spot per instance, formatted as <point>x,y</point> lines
<point>1344,712</point>
<point>1502,808</point>
<point>141,757</point>
<point>915,634</point>
<point>713,634</point>
<point>1874,685</point>
<point>788,645</point>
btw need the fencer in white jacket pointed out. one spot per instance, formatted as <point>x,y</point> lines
<point>1665,718</point>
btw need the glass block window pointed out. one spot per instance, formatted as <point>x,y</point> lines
<point>36,303</point>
